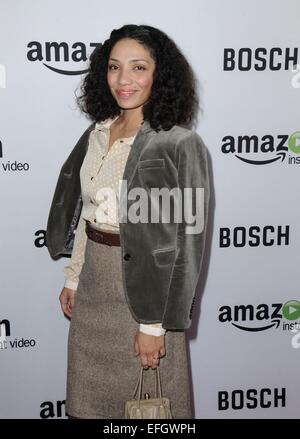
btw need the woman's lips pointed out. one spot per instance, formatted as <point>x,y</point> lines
<point>125,94</point>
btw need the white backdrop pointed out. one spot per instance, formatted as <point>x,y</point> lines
<point>236,372</point>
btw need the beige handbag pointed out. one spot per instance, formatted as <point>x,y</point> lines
<point>148,408</point>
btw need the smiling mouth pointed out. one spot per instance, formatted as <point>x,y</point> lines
<point>125,94</point>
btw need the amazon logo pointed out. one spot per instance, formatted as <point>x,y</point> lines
<point>52,53</point>
<point>254,150</point>
<point>261,317</point>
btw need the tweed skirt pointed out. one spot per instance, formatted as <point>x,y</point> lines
<point>102,366</point>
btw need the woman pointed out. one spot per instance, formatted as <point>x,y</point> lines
<point>131,280</point>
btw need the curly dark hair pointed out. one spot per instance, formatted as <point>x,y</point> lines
<point>174,99</point>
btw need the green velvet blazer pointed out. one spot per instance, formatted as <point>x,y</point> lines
<point>161,262</point>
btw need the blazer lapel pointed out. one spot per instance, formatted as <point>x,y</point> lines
<point>142,138</point>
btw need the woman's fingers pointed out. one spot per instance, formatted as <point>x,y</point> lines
<point>150,348</point>
<point>144,360</point>
<point>162,352</point>
<point>70,305</point>
<point>67,300</point>
<point>69,308</point>
<point>64,305</point>
<point>155,362</point>
<point>66,309</point>
<point>149,361</point>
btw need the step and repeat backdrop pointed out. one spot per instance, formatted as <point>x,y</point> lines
<point>244,343</point>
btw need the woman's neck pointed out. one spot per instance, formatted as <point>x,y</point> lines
<point>130,119</point>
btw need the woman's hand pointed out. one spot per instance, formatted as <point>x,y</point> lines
<point>150,348</point>
<point>67,299</point>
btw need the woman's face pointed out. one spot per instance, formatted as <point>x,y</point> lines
<point>130,73</point>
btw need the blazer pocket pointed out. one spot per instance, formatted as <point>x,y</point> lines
<point>164,256</point>
<point>151,163</point>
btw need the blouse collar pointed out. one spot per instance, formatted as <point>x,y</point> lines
<point>105,125</point>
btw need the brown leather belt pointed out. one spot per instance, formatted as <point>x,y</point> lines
<point>102,237</point>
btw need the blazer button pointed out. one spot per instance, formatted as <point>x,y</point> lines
<point>127,256</point>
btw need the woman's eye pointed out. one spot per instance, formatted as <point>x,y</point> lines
<point>115,67</point>
<point>112,67</point>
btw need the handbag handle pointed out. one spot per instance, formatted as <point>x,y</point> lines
<point>139,385</point>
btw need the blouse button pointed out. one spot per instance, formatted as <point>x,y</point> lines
<point>92,178</point>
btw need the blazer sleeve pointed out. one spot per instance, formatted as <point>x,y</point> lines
<point>192,167</point>
<point>66,204</point>
<point>73,267</point>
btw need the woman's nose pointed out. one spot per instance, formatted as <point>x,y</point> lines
<point>124,77</point>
